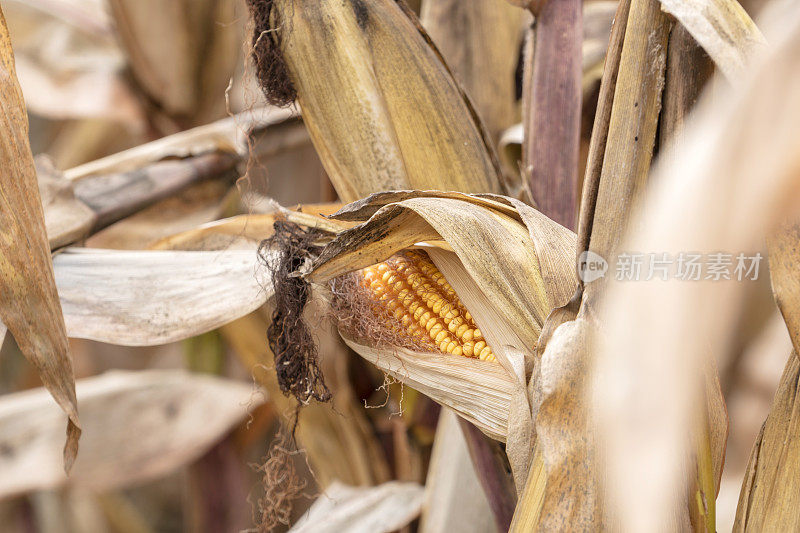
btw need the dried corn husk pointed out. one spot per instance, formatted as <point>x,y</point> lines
<point>355,65</point>
<point>509,265</point>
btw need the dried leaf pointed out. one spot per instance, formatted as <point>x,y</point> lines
<point>380,509</point>
<point>226,135</point>
<point>245,230</point>
<point>632,124</point>
<point>480,41</point>
<point>28,300</point>
<point>454,497</point>
<point>161,49</point>
<point>67,219</point>
<point>723,28</point>
<point>138,426</point>
<point>655,346</point>
<point>145,298</point>
<point>354,65</point>
<point>768,501</point>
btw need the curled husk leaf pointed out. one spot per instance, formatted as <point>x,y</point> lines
<point>509,266</point>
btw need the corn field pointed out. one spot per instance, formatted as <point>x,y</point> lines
<point>389,265</point>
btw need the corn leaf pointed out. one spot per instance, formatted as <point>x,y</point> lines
<point>138,426</point>
<point>29,304</point>
<point>454,498</point>
<point>382,109</point>
<point>718,157</point>
<point>480,41</point>
<point>768,499</point>
<point>149,298</point>
<point>226,135</point>
<point>380,509</point>
<point>723,28</point>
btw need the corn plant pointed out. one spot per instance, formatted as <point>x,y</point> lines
<point>472,287</point>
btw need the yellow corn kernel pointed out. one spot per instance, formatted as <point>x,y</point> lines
<point>421,303</point>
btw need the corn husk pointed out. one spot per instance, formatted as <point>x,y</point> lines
<point>351,64</point>
<point>509,265</point>
<point>28,299</point>
<point>138,426</point>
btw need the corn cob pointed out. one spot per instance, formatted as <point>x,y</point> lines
<point>421,303</point>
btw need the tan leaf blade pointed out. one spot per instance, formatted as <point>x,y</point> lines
<point>722,27</point>
<point>138,426</point>
<point>226,135</point>
<point>144,298</point>
<point>482,49</point>
<point>353,65</point>
<point>768,500</point>
<point>29,303</point>
<point>454,497</point>
<point>755,169</point>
